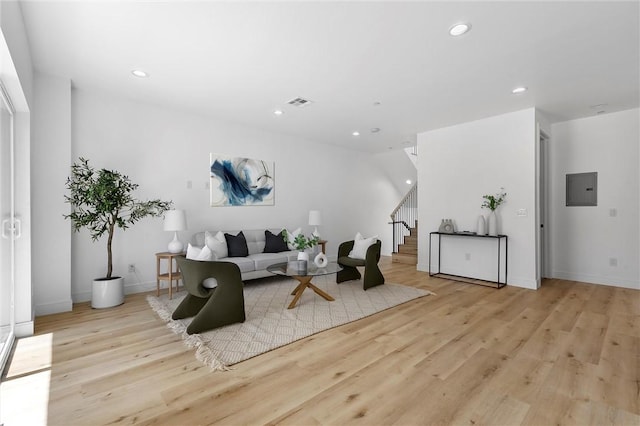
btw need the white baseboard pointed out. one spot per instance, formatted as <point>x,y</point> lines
<point>516,282</point>
<point>133,288</point>
<point>141,287</point>
<point>596,279</point>
<point>54,307</point>
<point>527,283</point>
<point>85,296</point>
<point>24,329</point>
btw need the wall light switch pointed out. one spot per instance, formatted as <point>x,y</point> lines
<point>613,261</point>
<point>613,212</point>
<point>189,184</point>
<point>521,212</point>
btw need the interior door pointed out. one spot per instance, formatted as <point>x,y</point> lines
<point>544,180</point>
<point>10,228</point>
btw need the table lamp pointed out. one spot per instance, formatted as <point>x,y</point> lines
<point>175,220</point>
<point>315,219</point>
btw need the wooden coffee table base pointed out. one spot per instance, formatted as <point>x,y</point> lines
<point>305,281</point>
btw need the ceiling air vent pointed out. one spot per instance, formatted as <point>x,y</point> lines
<point>300,102</point>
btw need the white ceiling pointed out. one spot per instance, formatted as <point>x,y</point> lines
<point>240,61</point>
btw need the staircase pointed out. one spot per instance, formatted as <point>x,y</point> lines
<point>408,251</point>
<point>405,237</point>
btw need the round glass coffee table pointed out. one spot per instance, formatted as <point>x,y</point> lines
<point>295,269</point>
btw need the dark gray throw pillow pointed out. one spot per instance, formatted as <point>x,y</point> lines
<point>237,245</point>
<point>274,243</point>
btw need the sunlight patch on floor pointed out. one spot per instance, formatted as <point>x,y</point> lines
<point>25,400</point>
<point>24,392</point>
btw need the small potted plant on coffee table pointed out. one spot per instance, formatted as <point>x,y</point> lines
<point>301,243</point>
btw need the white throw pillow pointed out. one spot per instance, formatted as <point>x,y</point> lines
<point>360,246</point>
<point>292,236</point>
<point>197,253</point>
<point>193,252</point>
<point>217,243</point>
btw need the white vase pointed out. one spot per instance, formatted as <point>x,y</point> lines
<point>481,227</point>
<point>321,260</point>
<point>493,224</point>
<point>303,255</point>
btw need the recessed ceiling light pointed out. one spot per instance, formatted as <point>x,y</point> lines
<point>139,73</point>
<point>519,90</point>
<point>408,181</point>
<point>459,29</point>
<point>356,133</point>
<point>278,112</point>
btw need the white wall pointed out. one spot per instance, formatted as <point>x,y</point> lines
<point>162,149</point>
<point>16,74</point>
<point>583,239</point>
<point>397,166</point>
<point>50,163</point>
<point>458,165</point>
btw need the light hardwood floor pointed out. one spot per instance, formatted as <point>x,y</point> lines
<point>566,354</point>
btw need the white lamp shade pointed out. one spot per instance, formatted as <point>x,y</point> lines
<point>315,218</point>
<point>175,220</point>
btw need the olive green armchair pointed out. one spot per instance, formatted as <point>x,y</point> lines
<point>372,275</point>
<point>215,294</point>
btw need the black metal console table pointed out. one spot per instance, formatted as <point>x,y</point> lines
<point>499,238</point>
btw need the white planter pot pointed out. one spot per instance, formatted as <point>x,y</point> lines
<point>303,255</point>
<point>107,293</point>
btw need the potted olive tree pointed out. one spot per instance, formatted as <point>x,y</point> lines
<point>102,201</point>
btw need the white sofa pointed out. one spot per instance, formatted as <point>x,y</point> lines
<point>255,265</point>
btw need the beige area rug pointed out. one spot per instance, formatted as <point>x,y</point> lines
<point>270,325</point>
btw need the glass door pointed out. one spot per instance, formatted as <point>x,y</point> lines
<point>10,227</point>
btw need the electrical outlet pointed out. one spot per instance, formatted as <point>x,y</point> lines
<point>467,256</point>
<point>132,267</point>
<point>613,261</point>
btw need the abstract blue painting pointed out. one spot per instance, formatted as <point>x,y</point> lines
<point>239,181</point>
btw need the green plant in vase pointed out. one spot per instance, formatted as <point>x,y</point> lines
<point>492,202</point>
<point>301,243</point>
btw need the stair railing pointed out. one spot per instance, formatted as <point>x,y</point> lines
<point>404,216</point>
